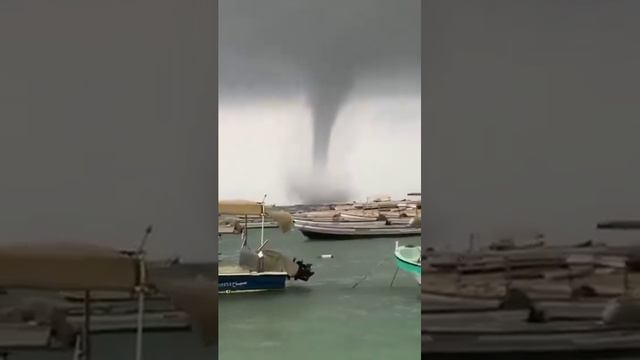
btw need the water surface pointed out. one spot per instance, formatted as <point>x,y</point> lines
<point>326,317</point>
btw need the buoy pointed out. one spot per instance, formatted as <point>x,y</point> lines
<point>326,256</point>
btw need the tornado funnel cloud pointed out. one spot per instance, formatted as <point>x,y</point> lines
<point>324,112</point>
<point>328,91</point>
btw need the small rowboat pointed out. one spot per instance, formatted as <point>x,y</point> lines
<point>329,232</point>
<point>408,259</point>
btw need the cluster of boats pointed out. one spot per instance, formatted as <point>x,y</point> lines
<point>532,300</point>
<point>379,218</point>
<point>260,268</point>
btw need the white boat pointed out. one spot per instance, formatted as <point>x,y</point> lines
<point>339,233</point>
<point>339,224</point>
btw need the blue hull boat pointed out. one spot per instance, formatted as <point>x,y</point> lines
<point>261,269</point>
<point>244,281</point>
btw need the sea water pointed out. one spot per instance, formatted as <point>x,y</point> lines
<point>347,310</point>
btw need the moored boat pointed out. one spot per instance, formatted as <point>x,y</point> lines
<point>531,333</point>
<point>239,279</point>
<point>408,259</point>
<point>339,224</point>
<point>341,233</point>
<point>261,269</point>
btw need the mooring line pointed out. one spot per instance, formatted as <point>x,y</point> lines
<point>368,273</point>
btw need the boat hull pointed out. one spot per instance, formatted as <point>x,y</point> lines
<point>316,235</point>
<point>251,282</point>
<point>336,224</point>
<point>410,268</point>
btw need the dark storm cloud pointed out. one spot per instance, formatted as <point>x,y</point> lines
<point>530,116</point>
<point>107,123</point>
<point>320,49</point>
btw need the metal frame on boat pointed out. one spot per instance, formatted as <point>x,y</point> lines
<point>260,269</point>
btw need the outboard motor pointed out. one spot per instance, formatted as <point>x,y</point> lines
<point>304,271</point>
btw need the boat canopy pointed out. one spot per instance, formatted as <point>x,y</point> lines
<point>239,207</point>
<point>245,207</point>
<point>66,267</point>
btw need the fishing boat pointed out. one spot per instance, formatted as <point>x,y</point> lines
<point>330,231</point>
<point>238,279</point>
<point>260,269</point>
<point>408,260</point>
<point>340,224</point>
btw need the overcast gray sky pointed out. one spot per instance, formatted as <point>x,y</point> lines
<point>531,117</point>
<point>107,123</point>
<point>305,80</point>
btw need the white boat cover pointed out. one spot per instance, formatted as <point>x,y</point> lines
<point>66,267</point>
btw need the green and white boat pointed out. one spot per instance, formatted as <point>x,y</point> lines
<point>408,259</point>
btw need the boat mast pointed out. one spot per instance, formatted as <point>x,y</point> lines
<point>262,227</point>
<point>246,228</point>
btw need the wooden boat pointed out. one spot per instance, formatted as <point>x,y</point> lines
<point>358,224</point>
<point>329,232</point>
<point>509,334</point>
<point>335,217</point>
<point>408,260</point>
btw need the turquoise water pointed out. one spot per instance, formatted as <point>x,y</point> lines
<point>327,317</point>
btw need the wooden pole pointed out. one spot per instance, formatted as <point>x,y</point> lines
<point>140,290</point>
<point>86,335</point>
